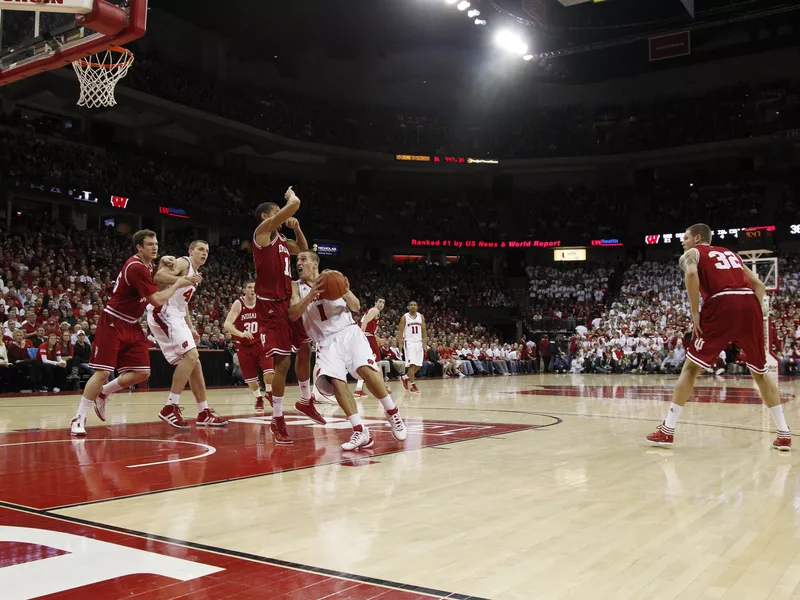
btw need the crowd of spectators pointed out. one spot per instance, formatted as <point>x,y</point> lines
<point>515,132</point>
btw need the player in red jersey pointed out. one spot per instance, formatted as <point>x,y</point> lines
<point>119,340</point>
<point>732,296</point>
<point>242,323</point>
<point>369,325</point>
<point>272,253</point>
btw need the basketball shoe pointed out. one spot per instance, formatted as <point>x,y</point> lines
<point>783,442</point>
<point>360,440</point>
<point>100,406</point>
<point>663,436</point>
<point>309,411</point>
<point>279,433</point>
<point>209,418</point>
<point>78,427</point>
<point>171,415</point>
<point>398,427</point>
<point>404,381</point>
<point>260,404</point>
<point>414,389</point>
<point>360,394</point>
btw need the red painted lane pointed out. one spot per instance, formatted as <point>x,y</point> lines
<point>705,394</point>
<point>232,576</point>
<point>47,468</point>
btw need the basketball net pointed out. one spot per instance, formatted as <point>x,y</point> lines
<point>99,74</point>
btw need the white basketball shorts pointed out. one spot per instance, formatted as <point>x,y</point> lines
<point>344,352</point>
<point>414,353</point>
<point>172,334</point>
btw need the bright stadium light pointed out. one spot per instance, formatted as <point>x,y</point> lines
<point>480,22</point>
<point>511,42</point>
<point>528,57</point>
<point>463,5</point>
<point>473,13</point>
<point>451,1</point>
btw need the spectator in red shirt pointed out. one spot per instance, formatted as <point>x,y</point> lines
<point>53,366</point>
<point>23,364</point>
<point>544,350</point>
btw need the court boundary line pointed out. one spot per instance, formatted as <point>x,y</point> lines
<point>327,464</point>
<point>275,562</point>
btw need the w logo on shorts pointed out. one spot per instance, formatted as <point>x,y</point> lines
<point>185,344</point>
<point>699,343</point>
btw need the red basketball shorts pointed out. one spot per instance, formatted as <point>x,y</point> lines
<point>730,316</point>
<point>119,345</point>
<point>252,359</point>
<point>279,335</point>
<point>373,343</point>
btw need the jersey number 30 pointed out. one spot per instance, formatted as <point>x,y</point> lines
<point>725,260</point>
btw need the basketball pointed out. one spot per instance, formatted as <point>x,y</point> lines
<point>334,285</point>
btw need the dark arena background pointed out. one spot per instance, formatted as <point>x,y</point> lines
<point>507,186</point>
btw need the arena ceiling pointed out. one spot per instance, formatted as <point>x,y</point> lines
<point>581,40</point>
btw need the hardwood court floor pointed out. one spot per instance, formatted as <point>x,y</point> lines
<point>516,487</point>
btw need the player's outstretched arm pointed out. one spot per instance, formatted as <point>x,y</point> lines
<point>300,243</point>
<point>401,326</point>
<point>233,314</point>
<point>170,270</point>
<point>159,298</point>
<point>758,286</point>
<point>688,263</point>
<point>268,226</point>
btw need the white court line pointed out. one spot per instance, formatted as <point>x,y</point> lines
<point>209,449</point>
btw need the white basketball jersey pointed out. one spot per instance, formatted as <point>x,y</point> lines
<point>177,303</point>
<point>413,331</point>
<point>323,318</point>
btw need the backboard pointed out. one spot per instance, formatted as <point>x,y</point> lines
<point>39,37</point>
<point>764,266</point>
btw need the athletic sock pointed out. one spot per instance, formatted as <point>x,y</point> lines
<point>174,398</point>
<point>388,403</point>
<point>355,421</point>
<point>268,387</point>
<point>359,385</point>
<point>672,415</point>
<point>201,406</point>
<point>258,394</point>
<point>780,420</point>
<point>277,406</point>
<point>111,387</point>
<point>305,392</point>
<point>84,407</point>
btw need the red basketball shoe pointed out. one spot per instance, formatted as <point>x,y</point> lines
<point>171,414</point>
<point>414,389</point>
<point>279,433</point>
<point>100,406</point>
<point>783,442</point>
<point>209,418</point>
<point>663,436</point>
<point>260,404</point>
<point>404,381</point>
<point>309,411</point>
<point>360,394</point>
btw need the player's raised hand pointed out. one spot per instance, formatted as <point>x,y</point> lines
<point>317,288</point>
<point>292,223</point>
<point>290,195</point>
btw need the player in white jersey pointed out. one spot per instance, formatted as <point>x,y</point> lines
<point>412,337</point>
<point>171,325</point>
<point>341,348</point>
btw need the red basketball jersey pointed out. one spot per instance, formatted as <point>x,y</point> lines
<point>719,269</point>
<point>372,326</point>
<point>247,322</point>
<point>273,269</point>
<point>133,286</point>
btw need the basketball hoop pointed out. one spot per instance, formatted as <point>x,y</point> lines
<point>99,74</point>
